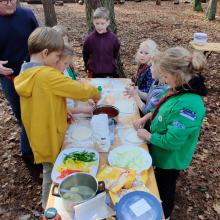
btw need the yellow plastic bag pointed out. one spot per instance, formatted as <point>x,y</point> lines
<point>115,178</point>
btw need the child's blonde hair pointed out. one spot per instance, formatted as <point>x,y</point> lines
<point>180,63</point>
<point>101,12</point>
<point>44,38</point>
<point>151,46</point>
<point>67,51</point>
<point>61,30</point>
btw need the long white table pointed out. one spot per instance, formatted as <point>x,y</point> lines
<point>113,93</point>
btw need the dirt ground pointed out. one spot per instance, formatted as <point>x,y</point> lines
<point>198,188</point>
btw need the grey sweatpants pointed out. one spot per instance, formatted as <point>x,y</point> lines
<point>47,169</point>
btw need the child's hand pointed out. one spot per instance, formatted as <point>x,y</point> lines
<point>4,70</point>
<point>70,118</point>
<point>144,134</point>
<point>97,97</point>
<point>131,91</point>
<point>139,123</point>
<point>131,84</point>
<point>88,110</point>
<point>142,121</point>
<point>91,103</point>
<point>126,92</point>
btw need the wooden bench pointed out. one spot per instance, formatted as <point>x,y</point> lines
<point>207,48</point>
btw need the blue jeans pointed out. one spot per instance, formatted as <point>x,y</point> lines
<point>14,101</point>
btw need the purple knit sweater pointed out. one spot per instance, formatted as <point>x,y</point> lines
<point>100,52</point>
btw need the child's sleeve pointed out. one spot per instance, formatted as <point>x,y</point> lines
<point>86,52</point>
<point>182,122</point>
<point>116,49</point>
<point>65,87</point>
<point>147,81</point>
<point>155,97</point>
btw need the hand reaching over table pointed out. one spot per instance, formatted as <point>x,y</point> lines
<point>131,91</point>
<point>139,123</point>
<point>91,103</point>
<point>142,121</point>
<point>144,134</point>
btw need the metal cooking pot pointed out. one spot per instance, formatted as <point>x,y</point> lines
<point>76,180</point>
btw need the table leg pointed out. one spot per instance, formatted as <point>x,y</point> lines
<point>207,54</point>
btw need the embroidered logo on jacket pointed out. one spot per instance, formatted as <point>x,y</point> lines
<point>188,114</point>
<point>177,124</point>
<point>160,118</point>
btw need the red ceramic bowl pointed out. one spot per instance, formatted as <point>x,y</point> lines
<point>110,110</point>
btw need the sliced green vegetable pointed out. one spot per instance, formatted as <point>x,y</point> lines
<point>84,156</point>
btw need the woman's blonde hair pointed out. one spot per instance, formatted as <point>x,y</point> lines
<point>45,38</point>
<point>151,46</point>
<point>101,12</point>
<point>181,63</point>
<point>67,51</point>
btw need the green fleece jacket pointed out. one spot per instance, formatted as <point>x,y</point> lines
<point>175,131</point>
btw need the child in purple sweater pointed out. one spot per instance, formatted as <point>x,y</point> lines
<point>101,47</point>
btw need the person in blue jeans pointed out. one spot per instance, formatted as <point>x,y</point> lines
<point>16,24</point>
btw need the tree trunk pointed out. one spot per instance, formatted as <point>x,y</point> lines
<point>211,10</point>
<point>49,13</point>
<point>91,5</point>
<point>197,6</point>
<point>158,2</point>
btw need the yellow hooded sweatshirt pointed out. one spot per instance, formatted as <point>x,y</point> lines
<point>43,91</point>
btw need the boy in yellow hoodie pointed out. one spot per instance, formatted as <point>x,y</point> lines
<point>43,91</point>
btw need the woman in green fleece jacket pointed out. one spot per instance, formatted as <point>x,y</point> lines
<point>176,120</point>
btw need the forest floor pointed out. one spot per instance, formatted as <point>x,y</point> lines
<point>198,188</point>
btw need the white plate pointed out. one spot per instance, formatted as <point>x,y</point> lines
<point>131,137</point>
<point>130,156</point>
<point>80,132</point>
<point>61,156</point>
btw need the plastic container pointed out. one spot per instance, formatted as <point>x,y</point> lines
<point>139,205</point>
<point>111,124</point>
<point>100,128</point>
<point>52,214</point>
<point>200,38</point>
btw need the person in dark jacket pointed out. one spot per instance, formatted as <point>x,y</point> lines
<point>101,47</point>
<point>16,25</point>
<point>176,120</point>
<point>143,78</point>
